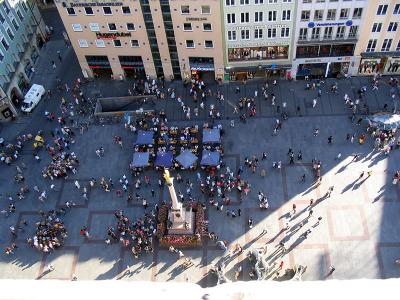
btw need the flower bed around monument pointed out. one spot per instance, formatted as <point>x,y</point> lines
<point>181,240</point>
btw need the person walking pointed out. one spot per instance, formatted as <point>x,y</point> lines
<point>294,208</point>
<point>53,64</point>
<point>77,185</point>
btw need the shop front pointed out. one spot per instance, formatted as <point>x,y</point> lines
<point>23,84</point>
<point>133,66</point>
<point>202,68</point>
<point>385,63</point>
<point>258,53</point>
<point>260,71</point>
<point>99,65</point>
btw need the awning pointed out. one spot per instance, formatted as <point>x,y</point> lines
<point>145,137</point>
<point>164,159</point>
<point>140,159</point>
<point>186,159</point>
<point>380,54</point>
<point>210,158</point>
<point>211,135</point>
<point>201,67</point>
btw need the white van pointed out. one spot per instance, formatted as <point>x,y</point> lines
<point>32,97</point>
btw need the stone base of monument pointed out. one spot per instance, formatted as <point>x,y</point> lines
<point>188,233</point>
<point>182,225</point>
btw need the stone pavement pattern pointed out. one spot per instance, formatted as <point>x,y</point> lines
<point>358,233</point>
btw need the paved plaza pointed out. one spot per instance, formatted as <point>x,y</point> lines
<point>358,233</point>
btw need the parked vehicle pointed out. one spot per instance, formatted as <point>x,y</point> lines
<point>33,97</point>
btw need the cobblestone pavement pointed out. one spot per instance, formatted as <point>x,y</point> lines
<point>358,233</point>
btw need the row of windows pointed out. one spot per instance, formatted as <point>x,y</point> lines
<point>107,10</point>
<point>377,27</point>
<point>271,16</point>
<point>247,2</point>
<point>189,27</point>
<point>18,12</point>
<point>316,32</point>
<point>387,43</point>
<point>135,43</point>
<point>382,9</point>
<point>258,33</point>
<point>331,14</point>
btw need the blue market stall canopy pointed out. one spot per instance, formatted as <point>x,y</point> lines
<point>164,159</point>
<point>145,137</point>
<point>211,135</point>
<point>186,159</point>
<point>140,159</point>
<point>210,158</point>
<point>384,121</point>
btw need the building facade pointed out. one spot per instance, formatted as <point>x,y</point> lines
<point>22,34</point>
<point>156,38</point>
<point>258,37</point>
<point>378,49</point>
<point>327,32</point>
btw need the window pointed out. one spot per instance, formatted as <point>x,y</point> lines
<point>189,44</point>
<point>107,10</point>
<point>271,33</point>
<point>117,43</point>
<point>258,16</point>
<point>398,46</point>
<point>112,27</point>
<point>187,26</point>
<point>88,10</point>
<point>315,33</point>
<point>382,10</point>
<point>208,44</point>
<point>318,15</point>
<point>126,10</point>
<point>1,56</point>
<point>285,32</point>
<point>130,26</point>
<point>320,1</point>
<point>387,43</point>
<point>328,32</point>
<point>231,35</point>
<point>377,27</point>
<point>6,7</point>
<point>353,31</point>
<point>245,34</point>
<point>83,43</point>
<point>207,27</point>
<point>16,26</point>
<point>272,1</point>
<point>134,43</point>
<point>20,16</point>
<point>100,43</point>
<point>305,15</point>
<point>231,18</point>
<point>185,9</point>
<point>258,1</point>
<point>340,32</point>
<point>258,33</point>
<point>77,27</point>
<point>286,15</point>
<point>287,1</point>
<point>94,27</point>
<point>2,17</point>
<point>303,33</point>
<point>272,16</point>
<point>396,10</point>
<point>5,44</point>
<point>357,13</point>
<point>371,46</point>
<point>307,1</point>
<point>331,15</point>
<point>229,2</point>
<point>392,26</point>
<point>10,33</point>
<point>70,11</point>
<point>244,2</point>
<point>244,17</point>
<point>344,13</point>
<point>205,9</point>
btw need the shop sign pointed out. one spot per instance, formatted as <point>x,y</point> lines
<point>258,44</point>
<point>259,26</point>
<point>312,60</point>
<point>313,24</point>
<point>83,4</point>
<point>196,19</point>
<point>111,35</point>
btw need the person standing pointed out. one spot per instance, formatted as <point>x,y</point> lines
<point>53,64</point>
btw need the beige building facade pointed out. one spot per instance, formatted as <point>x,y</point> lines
<point>156,38</point>
<point>378,48</point>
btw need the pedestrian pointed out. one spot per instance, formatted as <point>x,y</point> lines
<point>49,268</point>
<point>77,185</point>
<point>281,265</point>
<point>311,203</point>
<point>239,212</point>
<point>329,192</point>
<point>338,156</point>
<point>369,173</point>
<point>361,175</point>
<point>303,178</point>
<point>250,223</point>
<point>310,213</point>
<point>153,193</point>
<point>319,220</point>
<point>294,208</point>
<point>53,64</point>
<point>59,55</point>
<point>299,155</point>
<point>264,156</point>
<point>330,139</point>
<point>331,270</point>
<point>316,131</point>
<point>314,102</point>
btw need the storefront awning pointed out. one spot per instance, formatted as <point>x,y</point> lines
<point>201,67</point>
